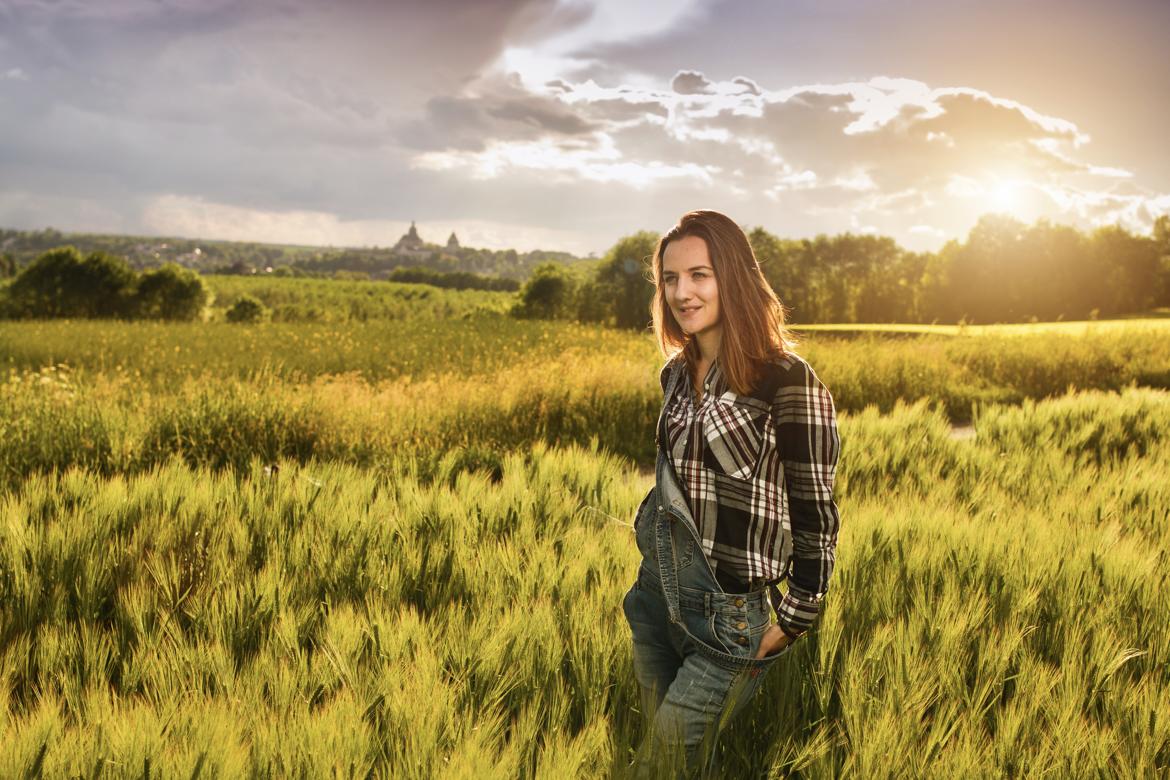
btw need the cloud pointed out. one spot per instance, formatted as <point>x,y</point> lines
<point>500,108</point>
<point>347,119</point>
<point>690,82</point>
<point>894,149</point>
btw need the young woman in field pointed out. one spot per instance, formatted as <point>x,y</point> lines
<point>747,450</point>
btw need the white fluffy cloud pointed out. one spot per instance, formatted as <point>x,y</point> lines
<point>922,162</point>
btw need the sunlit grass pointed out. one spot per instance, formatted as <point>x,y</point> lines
<point>1069,328</point>
<point>997,608</point>
<point>399,549</point>
<point>474,390</point>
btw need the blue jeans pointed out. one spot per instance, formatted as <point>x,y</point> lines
<point>694,645</point>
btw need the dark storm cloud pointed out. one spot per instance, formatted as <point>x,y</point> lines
<point>506,110</point>
<point>256,104</point>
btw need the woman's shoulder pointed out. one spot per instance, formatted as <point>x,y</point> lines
<point>786,370</point>
<point>672,363</point>
<point>786,367</point>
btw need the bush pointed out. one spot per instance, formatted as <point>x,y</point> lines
<point>247,309</point>
<point>548,294</point>
<point>171,293</point>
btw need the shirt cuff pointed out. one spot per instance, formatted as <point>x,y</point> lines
<point>795,611</point>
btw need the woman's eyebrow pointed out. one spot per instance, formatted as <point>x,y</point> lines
<point>692,269</point>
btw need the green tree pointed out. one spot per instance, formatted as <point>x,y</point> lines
<point>591,303</point>
<point>1131,269</point>
<point>624,279</point>
<point>60,283</point>
<point>779,260</point>
<point>171,293</point>
<point>985,273</point>
<point>550,293</point>
<point>1161,236</point>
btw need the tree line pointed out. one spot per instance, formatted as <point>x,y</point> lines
<point>1004,271</point>
<point>20,247</point>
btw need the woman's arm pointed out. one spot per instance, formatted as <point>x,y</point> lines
<point>806,428</point>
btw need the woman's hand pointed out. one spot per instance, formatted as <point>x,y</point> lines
<point>773,641</point>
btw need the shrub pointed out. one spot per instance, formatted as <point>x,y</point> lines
<point>171,293</point>
<point>548,294</point>
<point>247,309</point>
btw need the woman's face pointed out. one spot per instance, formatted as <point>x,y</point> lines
<point>688,281</point>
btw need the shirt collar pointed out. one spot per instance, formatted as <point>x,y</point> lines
<point>714,381</point>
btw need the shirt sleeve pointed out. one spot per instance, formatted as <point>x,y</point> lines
<point>806,428</point>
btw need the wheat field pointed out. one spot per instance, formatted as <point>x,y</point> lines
<point>211,572</point>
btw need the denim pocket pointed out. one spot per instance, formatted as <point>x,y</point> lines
<point>684,544</point>
<point>628,601</point>
<point>644,526</point>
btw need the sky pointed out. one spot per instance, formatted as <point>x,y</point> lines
<point>567,124</point>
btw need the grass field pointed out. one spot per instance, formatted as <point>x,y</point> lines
<point>337,300</point>
<point>1158,325</point>
<point>429,583</point>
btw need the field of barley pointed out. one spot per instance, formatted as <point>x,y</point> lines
<point>397,547</point>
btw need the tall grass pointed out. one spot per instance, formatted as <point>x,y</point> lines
<point>871,369</point>
<point>999,608</point>
<point>560,394</point>
<point>160,355</point>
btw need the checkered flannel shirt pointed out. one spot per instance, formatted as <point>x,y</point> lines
<point>758,473</point>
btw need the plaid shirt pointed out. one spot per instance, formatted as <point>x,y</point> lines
<point>758,473</point>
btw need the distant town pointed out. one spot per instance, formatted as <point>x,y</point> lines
<point>20,247</point>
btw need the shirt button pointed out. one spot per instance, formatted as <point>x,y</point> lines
<point>742,640</point>
<point>739,602</point>
<point>741,625</point>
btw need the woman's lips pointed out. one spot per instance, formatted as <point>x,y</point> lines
<point>687,312</point>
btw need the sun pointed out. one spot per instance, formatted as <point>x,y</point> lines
<point>1005,195</point>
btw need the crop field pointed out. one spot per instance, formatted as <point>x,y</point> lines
<point>1069,328</point>
<point>398,548</point>
<point>337,300</point>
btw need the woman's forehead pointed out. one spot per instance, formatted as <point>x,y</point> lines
<point>685,254</point>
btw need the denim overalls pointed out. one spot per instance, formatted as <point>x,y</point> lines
<point>693,644</point>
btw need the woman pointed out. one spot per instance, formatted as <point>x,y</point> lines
<point>747,450</point>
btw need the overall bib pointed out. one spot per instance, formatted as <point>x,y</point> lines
<point>693,644</point>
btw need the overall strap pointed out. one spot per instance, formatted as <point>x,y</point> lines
<point>667,563</point>
<point>672,377</point>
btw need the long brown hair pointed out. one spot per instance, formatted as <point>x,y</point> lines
<point>753,318</point>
